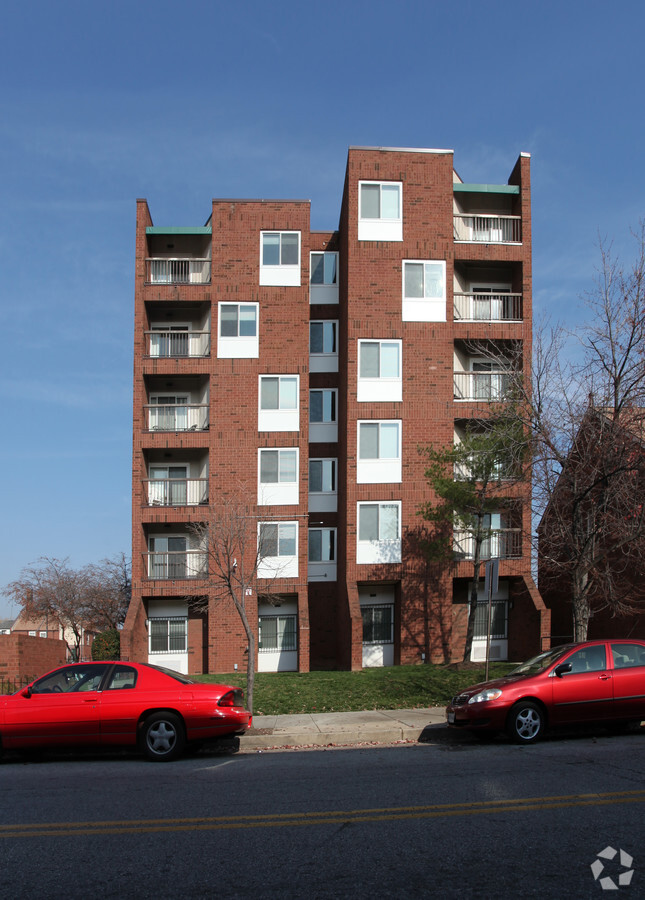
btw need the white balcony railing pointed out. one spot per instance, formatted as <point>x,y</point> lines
<point>482,385</point>
<point>178,343</point>
<point>178,417</point>
<point>182,270</point>
<point>488,307</point>
<point>177,564</point>
<point>502,543</point>
<point>490,229</point>
<point>176,491</point>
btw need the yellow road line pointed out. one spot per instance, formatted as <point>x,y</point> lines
<point>328,817</point>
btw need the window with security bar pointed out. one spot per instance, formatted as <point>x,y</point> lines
<point>168,635</point>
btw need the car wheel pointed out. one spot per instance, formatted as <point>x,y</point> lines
<point>525,722</point>
<point>162,737</point>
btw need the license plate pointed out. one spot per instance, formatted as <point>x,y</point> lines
<point>451,718</point>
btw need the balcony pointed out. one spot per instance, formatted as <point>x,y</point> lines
<point>482,386</point>
<point>488,229</point>
<point>500,543</point>
<point>175,344</point>
<point>176,565</point>
<point>177,417</point>
<point>487,307</point>
<point>176,491</point>
<point>178,270</point>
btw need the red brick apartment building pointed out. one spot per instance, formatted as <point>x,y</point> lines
<point>308,367</point>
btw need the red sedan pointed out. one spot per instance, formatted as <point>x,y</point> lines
<point>120,704</point>
<point>594,681</point>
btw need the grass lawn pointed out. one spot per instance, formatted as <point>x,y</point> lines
<point>395,687</point>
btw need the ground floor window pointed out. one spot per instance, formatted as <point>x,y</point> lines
<point>277,633</point>
<point>168,635</point>
<point>378,624</point>
<point>498,620</point>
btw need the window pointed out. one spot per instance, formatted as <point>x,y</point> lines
<point>424,291</point>
<point>322,476</point>
<point>323,415</point>
<point>169,340</point>
<point>323,277</point>
<point>322,405</point>
<point>168,635</point>
<point>278,539</point>
<point>123,678</point>
<point>589,659</point>
<point>378,624</point>
<point>322,545</point>
<point>278,476</point>
<point>379,211</point>
<point>277,633</point>
<point>626,656</point>
<point>379,532</point>
<point>278,549</point>
<point>42,634</point>
<point>168,486</point>
<point>322,337</point>
<point>238,331</point>
<point>71,680</point>
<point>324,268</point>
<point>498,621</point>
<point>379,452</point>
<point>323,346</point>
<point>279,403</point>
<point>280,258</point>
<point>32,634</point>
<point>379,371</point>
<point>278,392</point>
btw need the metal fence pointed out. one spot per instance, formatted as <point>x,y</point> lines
<point>11,685</point>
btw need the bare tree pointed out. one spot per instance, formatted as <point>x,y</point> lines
<point>110,592</point>
<point>239,544</point>
<point>587,420</point>
<point>50,588</point>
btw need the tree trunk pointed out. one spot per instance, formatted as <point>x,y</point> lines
<point>580,606</point>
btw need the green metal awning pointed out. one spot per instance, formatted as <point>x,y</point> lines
<point>156,229</point>
<point>486,188</point>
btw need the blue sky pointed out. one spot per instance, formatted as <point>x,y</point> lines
<point>101,103</point>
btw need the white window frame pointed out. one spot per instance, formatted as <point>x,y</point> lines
<point>379,389</point>
<point>167,650</point>
<point>325,431</point>
<point>327,292</point>
<point>380,228</point>
<point>380,469</point>
<point>284,418</point>
<point>280,618</point>
<point>281,492</point>
<point>280,274</point>
<point>326,361</point>
<point>379,550</point>
<point>424,309</point>
<point>282,565</point>
<point>238,346</point>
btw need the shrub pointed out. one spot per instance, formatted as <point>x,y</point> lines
<point>107,645</point>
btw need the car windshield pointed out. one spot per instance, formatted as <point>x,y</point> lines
<point>540,662</point>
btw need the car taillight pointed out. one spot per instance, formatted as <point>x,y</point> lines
<point>231,698</point>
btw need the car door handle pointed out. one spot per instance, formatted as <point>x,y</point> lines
<point>604,677</point>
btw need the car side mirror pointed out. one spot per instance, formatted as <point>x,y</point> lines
<point>562,669</point>
<point>27,691</point>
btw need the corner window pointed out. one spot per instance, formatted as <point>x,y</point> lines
<point>323,415</point>
<point>280,258</point>
<point>323,277</point>
<point>322,555</point>
<point>424,291</point>
<point>323,495</point>
<point>238,331</point>
<point>379,532</point>
<point>379,211</point>
<point>323,346</point>
<point>379,371</point>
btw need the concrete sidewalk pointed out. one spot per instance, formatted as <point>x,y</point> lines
<point>339,729</point>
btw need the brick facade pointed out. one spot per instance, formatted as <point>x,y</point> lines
<point>368,308</point>
<point>26,657</point>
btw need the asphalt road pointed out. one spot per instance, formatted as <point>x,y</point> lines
<point>451,819</point>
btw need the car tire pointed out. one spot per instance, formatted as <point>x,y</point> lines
<point>162,737</point>
<point>526,722</point>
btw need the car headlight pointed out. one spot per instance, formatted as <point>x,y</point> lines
<point>483,696</point>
